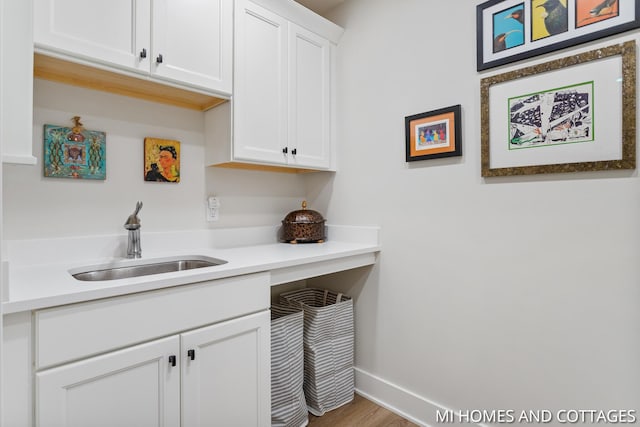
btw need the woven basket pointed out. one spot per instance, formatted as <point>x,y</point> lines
<point>288,407</point>
<point>328,347</point>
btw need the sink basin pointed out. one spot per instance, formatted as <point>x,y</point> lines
<point>129,269</point>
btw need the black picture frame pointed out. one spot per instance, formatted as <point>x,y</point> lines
<point>578,31</point>
<point>434,134</point>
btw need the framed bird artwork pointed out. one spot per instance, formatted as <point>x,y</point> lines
<point>573,114</point>
<point>513,30</point>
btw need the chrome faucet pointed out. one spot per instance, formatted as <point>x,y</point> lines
<point>133,226</point>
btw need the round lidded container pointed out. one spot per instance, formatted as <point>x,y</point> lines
<point>303,226</point>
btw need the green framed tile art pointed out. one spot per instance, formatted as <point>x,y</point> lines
<point>74,152</point>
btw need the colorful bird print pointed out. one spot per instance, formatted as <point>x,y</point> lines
<point>500,41</point>
<point>556,18</point>
<point>518,15</point>
<point>603,8</point>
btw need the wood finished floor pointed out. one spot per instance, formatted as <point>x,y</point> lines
<point>360,412</point>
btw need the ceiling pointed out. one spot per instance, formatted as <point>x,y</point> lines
<point>320,6</point>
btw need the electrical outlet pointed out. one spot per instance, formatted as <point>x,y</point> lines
<point>212,208</point>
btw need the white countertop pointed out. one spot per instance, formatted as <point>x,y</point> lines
<point>34,285</point>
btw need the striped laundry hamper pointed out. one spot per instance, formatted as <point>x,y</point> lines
<point>328,347</point>
<point>288,406</point>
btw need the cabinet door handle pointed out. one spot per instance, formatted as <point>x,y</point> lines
<point>159,59</point>
<point>191,354</point>
<point>285,150</point>
<point>294,151</point>
<point>172,360</point>
<point>143,53</point>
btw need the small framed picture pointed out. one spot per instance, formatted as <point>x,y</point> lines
<point>434,134</point>
<point>74,152</point>
<point>161,160</point>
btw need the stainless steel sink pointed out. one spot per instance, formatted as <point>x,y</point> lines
<point>145,268</point>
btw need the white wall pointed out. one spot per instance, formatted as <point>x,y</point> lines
<point>38,207</point>
<point>511,293</point>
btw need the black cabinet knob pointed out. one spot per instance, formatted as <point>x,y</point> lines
<point>285,150</point>
<point>191,354</point>
<point>159,59</point>
<point>143,53</point>
<point>172,360</point>
<point>294,151</point>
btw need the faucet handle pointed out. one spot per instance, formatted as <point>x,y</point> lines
<point>133,222</point>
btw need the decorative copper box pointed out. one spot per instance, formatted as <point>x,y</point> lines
<point>303,226</point>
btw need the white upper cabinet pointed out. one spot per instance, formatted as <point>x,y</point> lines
<point>16,82</point>
<point>281,111</point>
<point>309,98</point>
<point>260,90</point>
<point>187,43</point>
<point>114,32</point>
<point>194,41</point>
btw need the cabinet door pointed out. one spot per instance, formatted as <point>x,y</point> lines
<point>16,82</point>
<point>113,32</point>
<point>136,386</point>
<point>309,99</point>
<point>260,86</point>
<point>226,381</point>
<point>194,39</point>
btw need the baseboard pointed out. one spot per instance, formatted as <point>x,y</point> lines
<point>405,403</point>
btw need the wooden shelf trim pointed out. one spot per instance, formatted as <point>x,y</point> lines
<point>269,168</point>
<point>62,71</point>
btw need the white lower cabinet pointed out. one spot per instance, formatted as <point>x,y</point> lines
<point>136,386</point>
<point>224,374</point>
<point>196,355</point>
<point>215,375</point>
